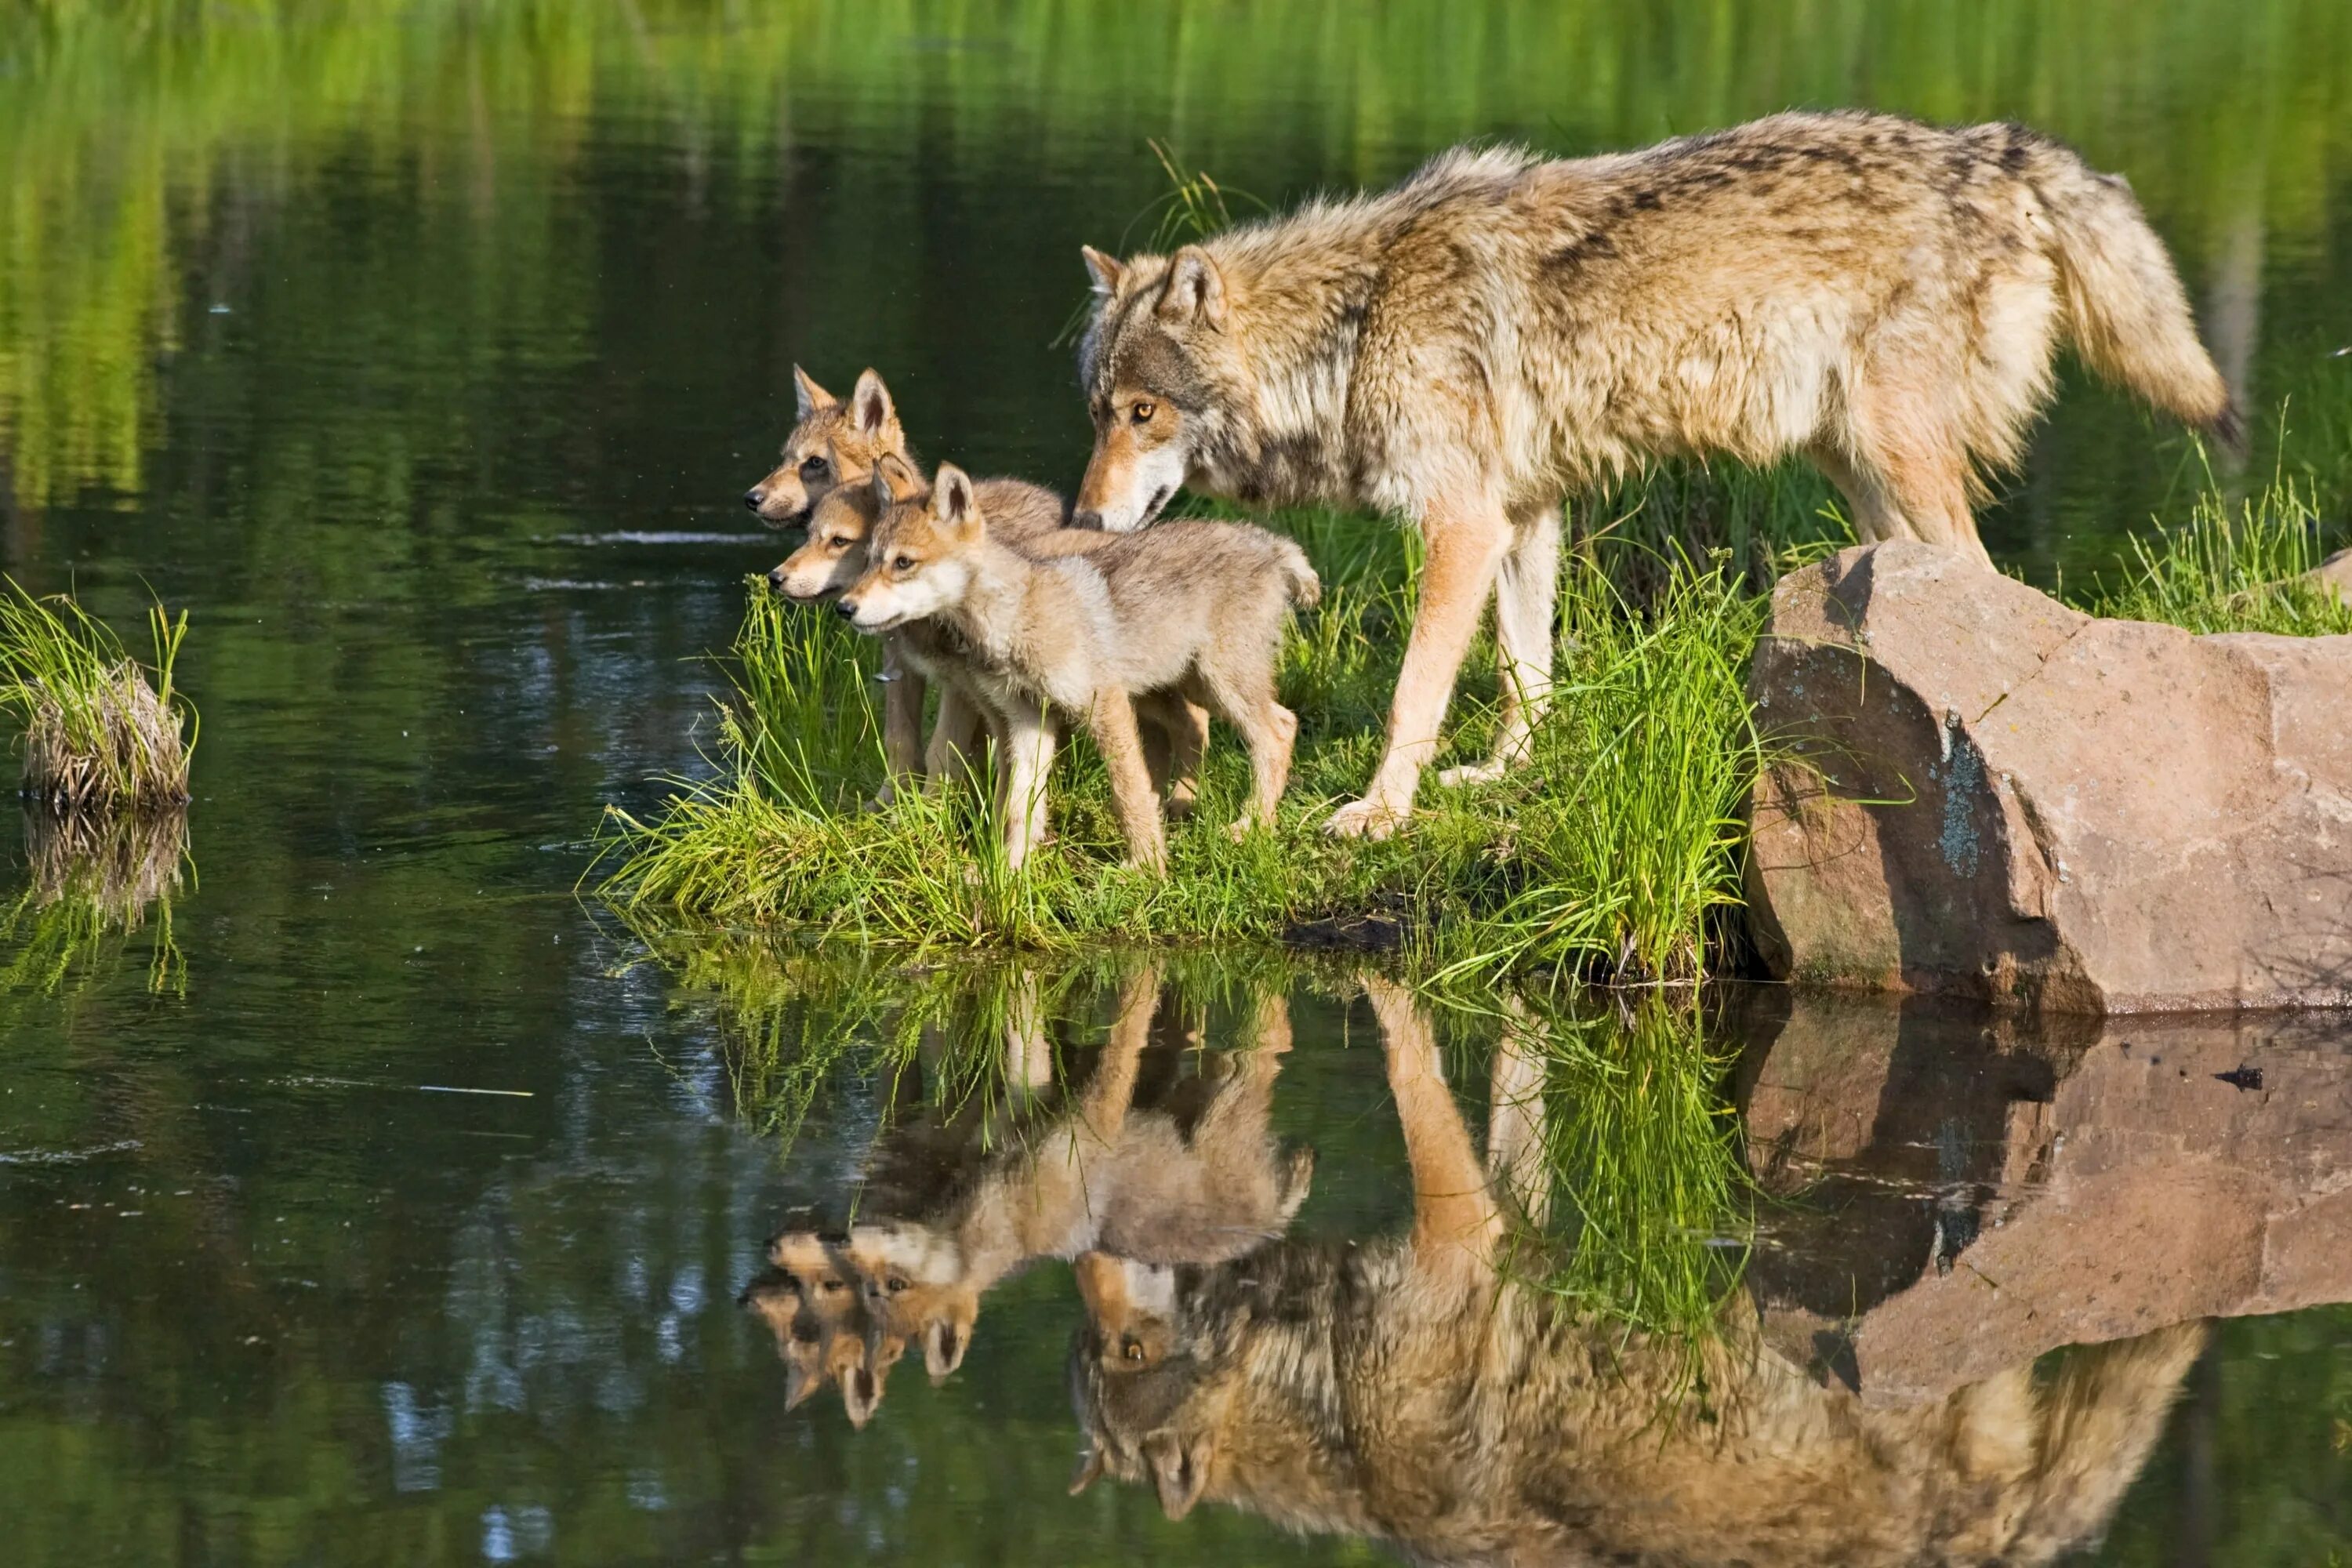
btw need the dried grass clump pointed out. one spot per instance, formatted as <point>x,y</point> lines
<point>99,734</point>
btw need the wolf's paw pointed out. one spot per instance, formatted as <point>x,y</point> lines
<point>1365,818</point>
<point>1487,772</point>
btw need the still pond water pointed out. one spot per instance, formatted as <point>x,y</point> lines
<point>377,1201</point>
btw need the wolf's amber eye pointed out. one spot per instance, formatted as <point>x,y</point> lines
<point>839,542</point>
<point>831,1287</point>
<point>1143,411</point>
<point>902,563</point>
<point>813,467</point>
<point>1130,1349</point>
<point>895,1284</point>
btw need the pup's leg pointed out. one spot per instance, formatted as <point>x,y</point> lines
<point>1028,758</point>
<point>902,724</point>
<point>1175,732</point>
<point>956,732</point>
<point>1526,590</point>
<point>1131,795</point>
<point>1466,543</point>
<point>1246,697</point>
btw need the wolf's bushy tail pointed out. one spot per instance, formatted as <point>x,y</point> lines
<point>2125,310</point>
<point>1298,575</point>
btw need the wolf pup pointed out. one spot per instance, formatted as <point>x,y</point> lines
<point>1501,330</point>
<point>832,443</point>
<point>1030,518</point>
<point>1195,606</point>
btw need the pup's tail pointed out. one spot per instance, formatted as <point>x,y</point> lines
<point>2125,310</point>
<point>1305,588</point>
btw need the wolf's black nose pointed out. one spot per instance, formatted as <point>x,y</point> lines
<point>1087,519</point>
<point>776,579</point>
<point>754,498</point>
<point>845,608</point>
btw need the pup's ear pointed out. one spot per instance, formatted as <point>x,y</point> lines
<point>800,1382</point>
<point>953,506</point>
<point>1106,272</point>
<point>1196,291</point>
<point>871,402</point>
<point>813,396</point>
<point>861,1395</point>
<point>895,480</point>
<point>944,1342</point>
<point>1090,1470</point>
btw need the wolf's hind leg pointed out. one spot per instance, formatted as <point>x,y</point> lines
<point>1527,590</point>
<point>1466,544</point>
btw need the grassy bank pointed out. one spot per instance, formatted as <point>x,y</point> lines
<point>1615,854</point>
<point>1611,852</point>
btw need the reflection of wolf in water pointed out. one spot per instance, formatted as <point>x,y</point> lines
<point>1100,1172</point>
<point>1193,1176</point>
<point>1406,1389</point>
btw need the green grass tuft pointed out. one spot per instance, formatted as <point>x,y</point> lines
<point>97,733</point>
<point>2245,568</point>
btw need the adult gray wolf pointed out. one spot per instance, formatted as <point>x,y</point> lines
<point>1467,349</point>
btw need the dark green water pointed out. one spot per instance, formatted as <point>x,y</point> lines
<point>421,350</point>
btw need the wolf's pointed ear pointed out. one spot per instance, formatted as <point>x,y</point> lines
<point>800,1382</point>
<point>861,1395</point>
<point>1180,1474</point>
<point>1196,291</point>
<point>1106,272</point>
<point>813,396</point>
<point>870,400</point>
<point>894,480</point>
<point>1090,1468</point>
<point>953,505</point>
<point>943,1346</point>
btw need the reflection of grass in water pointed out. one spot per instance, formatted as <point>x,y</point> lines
<point>95,881</point>
<point>1649,1212</point>
<point>97,734</point>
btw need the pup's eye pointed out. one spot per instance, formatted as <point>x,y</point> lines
<point>831,1286</point>
<point>895,1284</point>
<point>813,467</point>
<point>1143,411</point>
<point>841,544</point>
<point>902,563</point>
<point>1130,1349</point>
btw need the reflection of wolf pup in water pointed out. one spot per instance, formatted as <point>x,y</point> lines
<point>1406,1389</point>
<point>822,1331</point>
<point>1100,1170</point>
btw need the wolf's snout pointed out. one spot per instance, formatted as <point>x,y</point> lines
<point>754,496</point>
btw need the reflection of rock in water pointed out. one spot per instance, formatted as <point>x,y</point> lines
<point>1417,1389</point>
<point>2106,1181</point>
<point>115,864</point>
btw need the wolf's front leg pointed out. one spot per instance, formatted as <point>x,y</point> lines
<point>902,724</point>
<point>1527,589</point>
<point>1028,759</point>
<point>1466,543</point>
<point>956,735</point>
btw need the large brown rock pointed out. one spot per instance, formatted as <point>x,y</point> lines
<point>1986,793</point>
